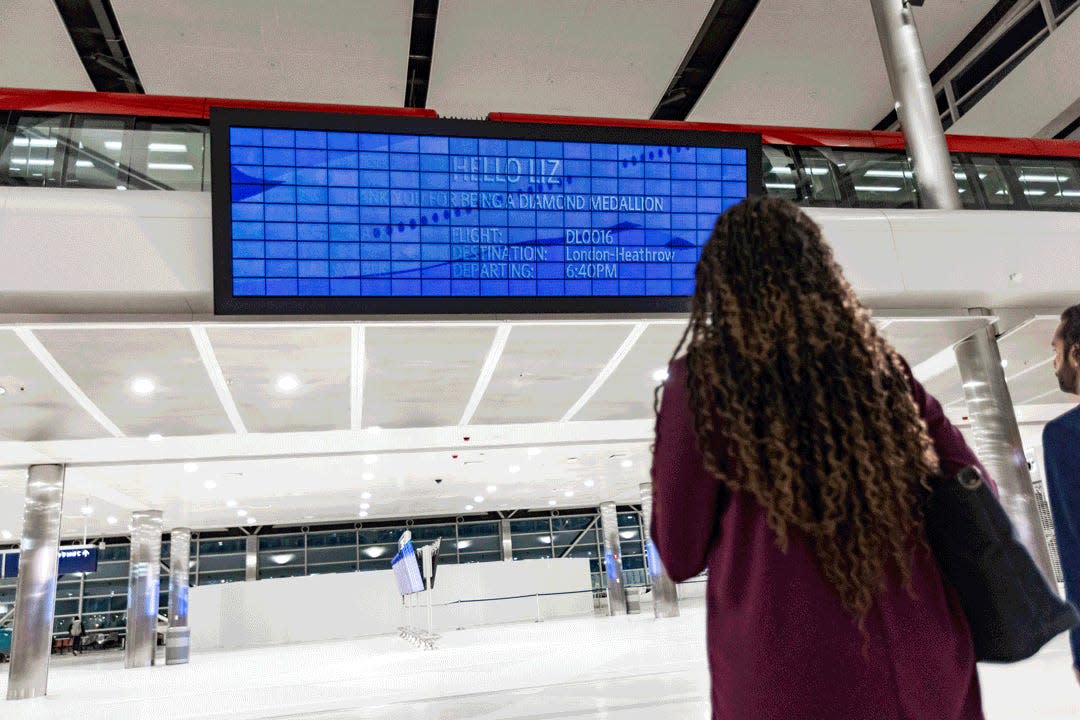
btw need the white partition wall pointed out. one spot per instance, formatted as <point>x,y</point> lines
<point>348,605</point>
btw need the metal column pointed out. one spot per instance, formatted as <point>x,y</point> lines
<point>251,559</point>
<point>665,596</point>
<point>506,543</point>
<point>143,589</point>
<point>35,593</point>
<point>915,104</point>
<point>616,590</point>
<point>997,440</point>
<point>178,635</point>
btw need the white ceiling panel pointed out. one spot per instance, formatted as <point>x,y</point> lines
<point>919,339</point>
<point>36,50</point>
<point>628,393</point>
<point>612,58</point>
<point>34,406</point>
<point>421,376</point>
<point>345,51</point>
<point>544,369</point>
<point>1027,347</point>
<point>253,358</point>
<point>103,362</point>
<point>820,64</point>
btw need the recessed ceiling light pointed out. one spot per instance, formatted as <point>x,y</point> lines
<point>627,463</point>
<point>374,551</point>
<point>111,520</point>
<point>1004,362</point>
<point>468,507</point>
<point>282,558</point>
<point>250,520</point>
<point>191,467</point>
<point>478,499</point>
<point>365,496</point>
<point>362,513</point>
<point>3,390</point>
<point>87,509</point>
<point>660,375</point>
<point>514,468</point>
<point>533,451</point>
<point>365,506</point>
<point>142,386</point>
<point>241,512</point>
<point>6,534</point>
<point>230,503</point>
<point>287,383</point>
<point>371,459</point>
<point>589,483</point>
<point>463,544</point>
<point>154,437</point>
<point>368,476</point>
<point>491,489</point>
<point>209,484</point>
<point>552,502</point>
<point>568,493</point>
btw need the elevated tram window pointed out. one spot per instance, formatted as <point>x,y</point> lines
<point>819,179</point>
<point>1048,184</point>
<point>32,150</point>
<point>99,153</point>
<point>172,156</point>
<point>878,179</point>
<point>994,186</point>
<point>779,172</point>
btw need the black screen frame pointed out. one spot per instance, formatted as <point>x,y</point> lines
<point>225,303</point>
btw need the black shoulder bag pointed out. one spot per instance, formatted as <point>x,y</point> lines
<point>1011,608</point>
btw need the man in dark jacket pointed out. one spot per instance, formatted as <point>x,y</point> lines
<point>1061,452</point>
<point>75,631</point>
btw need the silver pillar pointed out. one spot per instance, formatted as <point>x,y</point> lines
<point>35,593</point>
<point>915,104</point>
<point>251,559</point>
<point>143,589</point>
<point>178,634</point>
<point>997,440</point>
<point>665,596</point>
<point>616,590</point>
<point>506,542</point>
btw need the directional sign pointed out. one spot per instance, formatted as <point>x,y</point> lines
<point>72,559</point>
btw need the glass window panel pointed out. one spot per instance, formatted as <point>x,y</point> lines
<point>779,173</point>
<point>221,577</point>
<point>524,554</point>
<point>221,547</point>
<point>427,533</point>
<point>528,541</point>
<point>332,539</point>
<point>109,570</point>
<point>7,595</point>
<point>579,522</point>
<point>114,552</point>
<point>968,196</point>
<point>566,538</point>
<point>100,154</point>
<point>583,551</point>
<point>117,586</point>
<point>817,177</point>
<point>476,544</point>
<point>879,178</point>
<point>93,605</point>
<point>529,526</point>
<point>991,176</point>
<point>281,558</point>
<point>630,548</point>
<point>34,151</point>
<point>380,535</point>
<point>65,590</point>
<point>332,554</point>
<point>469,530</point>
<point>479,557</point>
<point>342,567</point>
<point>281,542</point>
<point>169,156</point>
<point>1048,184</point>
<point>629,519</point>
<point>213,563</point>
<point>281,571</point>
<point>375,552</point>
<point>67,607</point>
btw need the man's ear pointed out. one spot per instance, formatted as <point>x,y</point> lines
<point>1074,356</point>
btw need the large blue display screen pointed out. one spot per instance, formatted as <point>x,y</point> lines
<point>354,220</point>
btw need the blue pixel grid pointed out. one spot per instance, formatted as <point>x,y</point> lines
<point>354,214</point>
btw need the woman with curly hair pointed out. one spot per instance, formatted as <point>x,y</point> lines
<point>792,445</point>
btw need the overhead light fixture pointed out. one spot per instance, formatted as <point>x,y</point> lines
<point>251,520</point>
<point>1069,193</point>
<point>1004,363</point>
<point>113,144</point>
<point>40,162</point>
<point>973,384</point>
<point>365,506</point>
<point>1044,178</point>
<point>1035,193</point>
<point>478,499</point>
<point>374,552</point>
<point>780,186</point>
<point>362,513</point>
<point>627,463</point>
<point>87,510</point>
<point>568,493</point>
<point>588,483</point>
<point>876,188</point>
<point>241,513</point>
<point>111,520</point>
<point>552,503</point>
<point>34,142</point>
<point>514,468</point>
<point>142,386</point>
<point>371,459</point>
<point>209,484</point>
<point>368,476</point>
<point>533,451</point>
<point>282,558</point>
<point>365,495</point>
<point>154,437</point>
<point>287,383</point>
<point>3,390</point>
<point>660,374</point>
<point>891,173</point>
<point>464,544</point>
<point>166,147</point>
<point>170,166</point>
<point>628,534</point>
<point>468,507</point>
<point>230,503</point>
<point>491,489</point>
<point>545,539</point>
<point>191,467</point>
<point>6,534</point>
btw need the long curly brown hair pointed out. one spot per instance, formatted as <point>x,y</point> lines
<point>788,375</point>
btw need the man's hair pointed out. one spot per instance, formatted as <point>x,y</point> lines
<point>1070,330</point>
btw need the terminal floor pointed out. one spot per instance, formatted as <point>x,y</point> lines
<point>631,667</point>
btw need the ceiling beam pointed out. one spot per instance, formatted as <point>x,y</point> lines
<point>357,369</point>
<point>60,375</point>
<point>217,378</point>
<point>490,363</point>
<point>421,43</point>
<point>627,345</point>
<point>723,24</point>
<point>95,32</point>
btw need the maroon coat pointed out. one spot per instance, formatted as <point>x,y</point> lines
<point>780,644</point>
